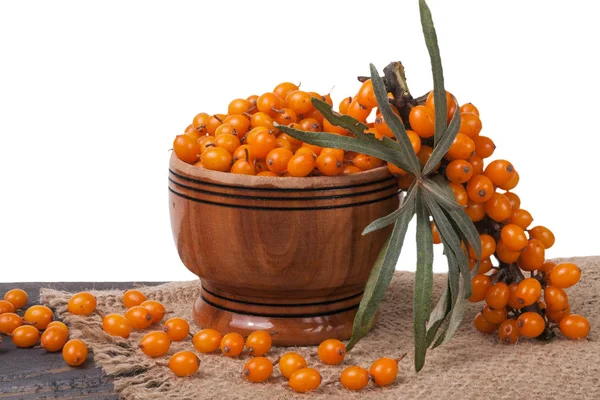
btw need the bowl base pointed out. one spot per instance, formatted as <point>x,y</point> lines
<point>291,324</point>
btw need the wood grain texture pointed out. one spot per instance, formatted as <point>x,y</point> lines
<point>289,250</point>
<point>36,374</point>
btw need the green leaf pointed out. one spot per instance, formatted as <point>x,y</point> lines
<point>458,312</point>
<point>444,143</point>
<point>439,314</point>
<point>393,216</point>
<point>345,121</point>
<point>381,276</point>
<point>442,197</point>
<point>423,282</point>
<point>394,123</point>
<point>439,93</point>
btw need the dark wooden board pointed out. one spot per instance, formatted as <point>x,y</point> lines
<point>36,374</point>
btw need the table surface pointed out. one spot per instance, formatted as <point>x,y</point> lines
<point>36,374</point>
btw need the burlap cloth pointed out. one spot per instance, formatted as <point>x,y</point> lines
<point>471,366</point>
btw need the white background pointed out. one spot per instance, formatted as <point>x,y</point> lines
<point>93,93</point>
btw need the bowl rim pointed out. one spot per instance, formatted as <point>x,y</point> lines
<point>178,167</point>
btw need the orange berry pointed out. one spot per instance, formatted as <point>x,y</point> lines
<point>475,211</point>
<point>462,148</point>
<point>332,351</point>
<point>82,303</point>
<point>329,165</point>
<point>521,217</point>
<point>498,207</point>
<point>6,307</point>
<point>506,255</point>
<point>484,146</point>
<point>116,325</point>
<point>290,363</point>
<point>184,363</point>
<point>497,296</point>
<point>384,371</point>
<point>533,256</point>
<point>301,165</point>
<point>75,352</point>
<point>565,275</point>
<point>9,322</point>
<point>470,124</point>
<point>515,200</point>
<point>459,171</point>
<point>514,237</point>
<point>207,340</point>
<point>305,380</point>
<point>139,317</point>
<point>17,297</point>
<point>499,172</point>
<point>480,285</point>
<point>216,159</point>
<point>556,299</point>
<point>528,292</point>
<point>542,234</point>
<point>450,104</point>
<point>509,332</point>
<point>494,316</point>
<point>53,339</point>
<point>469,108</point>
<point>40,316</point>
<point>480,189</point>
<point>574,326</point>
<point>232,344</point>
<point>177,329</point>
<point>422,121</point>
<point>557,315</point>
<point>156,310</point>
<point>354,378</point>
<point>25,336</point>
<point>531,324</point>
<point>155,344</point>
<point>258,369</point>
<point>482,325</point>
<point>258,343</point>
<point>186,148</point>
<point>59,325</point>
<point>133,297</point>
<point>284,88</point>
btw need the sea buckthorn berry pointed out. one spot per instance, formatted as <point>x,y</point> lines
<point>422,121</point>
<point>469,108</point>
<point>269,103</point>
<point>480,285</point>
<point>225,129</point>
<point>285,88</point>
<point>498,207</point>
<point>514,237</point>
<point>488,247</point>
<point>228,142</point>
<point>239,124</point>
<point>459,171</point>
<point>533,256</point>
<point>384,371</point>
<point>17,297</point>
<point>261,119</point>
<point>366,94</point>
<point>565,275</point>
<point>415,140</point>
<point>485,265</point>
<point>461,148</point>
<point>282,143</point>
<point>547,268</point>
<point>252,99</point>
<point>315,149</point>
<point>354,378</point>
<point>521,217</point>
<point>499,171</point>
<point>556,299</point>
<point>484,146</point>
<point>509,332</point>
<point>574,326</point>
<point>497,295</point>
<point>184,363</point>
<point>382,127</point>
<point>511,183</point>
<point>186,148</point>
<point>213,123</point>
<point>243,167</point>
<point>139,317</point>
<point>557,315</point>
<point>301,165</point>
<point>305,380</point>
<point>515,200</point>
<point>244,152</point>
<point>116,325</point>
<point>513,302</point>
<point>424,155</point>
<point>337,153</point>
<point>258,369</point>
<point>53,339</point>
<point>25,336</point>
<point>40,316</point>
<point>199,123</point>
<point>475,211</point>
<point>278,159</point>
<point>290,363</point>
<point>477,164</point>
<point>285,116</point>
<point>450,104</point>
<point>482,325</point>
<point>480,189</point>
<point>332,351</point>
<point>82,303</point>
<point>206,142</point>
<point>156,309</point>
<point>528,292</point>
<point>506,255</point>
<point>494,316</point>
<point>58,324</point>
<point>310,125</point>
<point>366,162</point>
<point>9,322</point>
<point>470,124</point>
<point>6,307</point>
<point>358,111</point>
<point>258,343</point>
<point>262,143</point>
<point>74,352</point>
<point>216,159</point>
<point>329,165</point>
<point>344,104</point>
<point>531,324</point>
<point>239,106</point>
<point>350,169</point>
<point>155,344</point>
<point>177,329</point>
<point>460,193</point>
<point>207,340</point>
<point>299,101</point>
<point>542,234</point>
<point>133,297</point>
<point>232,344</point>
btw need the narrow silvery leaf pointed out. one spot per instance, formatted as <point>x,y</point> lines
<point>439,93</point>
<point>441,197</point>
<point>458,312</point>
<point>444,143</point>
<point>394,123</point>
<point>439,314</point>
<point>345,121</point>
<point>381,276</point>
<point>393,216</point>
<point>423,282</point>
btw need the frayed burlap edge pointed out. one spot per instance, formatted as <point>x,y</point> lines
<point>471,366</point>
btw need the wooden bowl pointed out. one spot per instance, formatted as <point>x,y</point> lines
<point>280,254</point>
